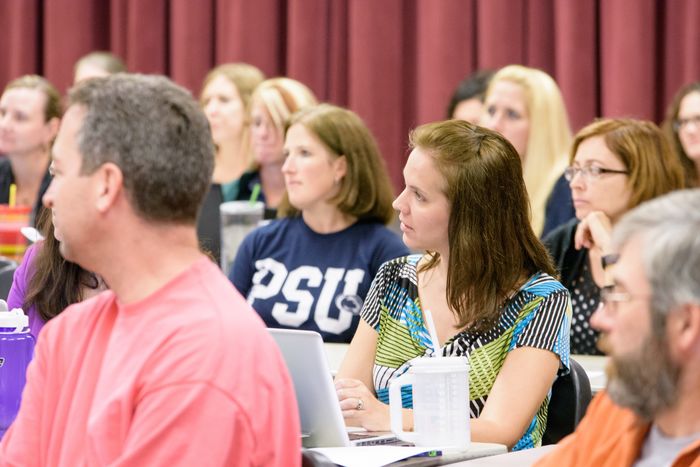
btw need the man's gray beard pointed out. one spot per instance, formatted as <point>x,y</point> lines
<point>646,382</point>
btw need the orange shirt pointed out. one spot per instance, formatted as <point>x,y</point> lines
<point>187,376</point>
<point>609,436</point>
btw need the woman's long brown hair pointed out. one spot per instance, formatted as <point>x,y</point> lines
<point>671,133</point>
<point>493,248</point>
<point>55,282</point>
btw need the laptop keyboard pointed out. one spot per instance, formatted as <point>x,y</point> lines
<point>371,439</point>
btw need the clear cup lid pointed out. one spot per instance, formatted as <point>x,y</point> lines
<point>242,207</point>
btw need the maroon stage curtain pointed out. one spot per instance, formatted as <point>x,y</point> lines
<point>395,62</point>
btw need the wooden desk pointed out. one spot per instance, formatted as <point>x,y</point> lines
<point>595,369</point>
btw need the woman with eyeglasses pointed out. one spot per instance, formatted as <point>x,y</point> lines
<point>616,164</point>
<point>682,128</point>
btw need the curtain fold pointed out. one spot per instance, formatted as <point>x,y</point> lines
<point>501,33</point>
<point>442,58</point>
<point>191,41</point>
<point>577,68</point>
<point>394,62</point>
<point>21,39</point>
<point>629,57</point>
<point>253,31</point>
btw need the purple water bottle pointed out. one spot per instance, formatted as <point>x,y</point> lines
<point>16,351</point>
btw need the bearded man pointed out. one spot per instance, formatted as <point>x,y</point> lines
<point>649,414</point>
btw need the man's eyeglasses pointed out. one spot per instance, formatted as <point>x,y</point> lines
<point>682,123</point>
<point>592,172</point>
<point>609,296</point>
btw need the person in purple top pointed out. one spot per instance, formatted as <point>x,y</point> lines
<point>45,283</point>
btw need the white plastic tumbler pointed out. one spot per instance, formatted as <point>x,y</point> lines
<point>440,402</point>
<point>238,218</point>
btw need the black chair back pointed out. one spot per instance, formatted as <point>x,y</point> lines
<point>571,395</point>
<point>209,223</point>
<point>314,459</point>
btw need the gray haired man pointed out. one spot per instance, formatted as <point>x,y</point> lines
<point>170,366</point>
<point>649,414</point>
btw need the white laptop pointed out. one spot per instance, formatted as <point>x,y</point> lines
<point>322,423</point>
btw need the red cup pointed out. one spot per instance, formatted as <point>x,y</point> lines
<point>12,243</point>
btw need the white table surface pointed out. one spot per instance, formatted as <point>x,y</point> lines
<point>520,459</point>
<point>335,354</point>
<point>595,369</point>
<point>455,457</point>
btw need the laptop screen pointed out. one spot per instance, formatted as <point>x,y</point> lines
<point>322,422</point>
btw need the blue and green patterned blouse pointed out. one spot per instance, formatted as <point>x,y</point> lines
<point>538,315</point>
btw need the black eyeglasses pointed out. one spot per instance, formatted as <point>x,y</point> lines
<point>589,172</point>
<point>682,123</point>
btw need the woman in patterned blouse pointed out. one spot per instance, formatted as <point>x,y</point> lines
<point>486,279</point>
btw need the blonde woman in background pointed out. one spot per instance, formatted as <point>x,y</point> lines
<point>97,64</point>
<point>525,105</point>
<point>226,94</point>
<point>272,103</point>
<point>225,98</point>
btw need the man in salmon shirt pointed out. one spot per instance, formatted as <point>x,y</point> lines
<point>649,414</point>
<point>170,366</point>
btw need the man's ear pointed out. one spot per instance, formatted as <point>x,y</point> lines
<point>684,328</point>
<point>109,186</point>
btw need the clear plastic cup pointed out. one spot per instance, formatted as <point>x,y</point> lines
<point>238,218</point>
<point>440,402</point>
<point>12,242</point>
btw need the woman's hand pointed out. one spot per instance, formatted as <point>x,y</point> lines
<point>594,232</point>
<point>360,407</point>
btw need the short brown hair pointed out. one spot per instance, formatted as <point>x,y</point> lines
<point>365,190</point>
<point>157,135</point>
<point>492,245</point>
<point>642,148</point>
<point>669,128</point>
